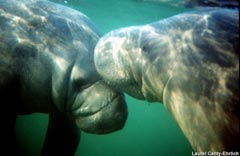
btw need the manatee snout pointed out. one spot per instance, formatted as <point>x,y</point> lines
<point>118,59</point>
<point>104,110</point>
<point>110,118</point>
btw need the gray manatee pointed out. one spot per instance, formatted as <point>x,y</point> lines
<point>212,3</point>
<point>188,62</point>
<point>198,3</point>
<point>47,66</point>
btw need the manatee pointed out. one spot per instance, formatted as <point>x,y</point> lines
<point>47,66</point>
<point>190,63</point>
<point>212,3</point>
<point>197,3</point>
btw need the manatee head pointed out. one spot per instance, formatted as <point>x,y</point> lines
<point>96,107</point>
<point>140,60</point>
<point>80,91</point>
<point>124,59</point>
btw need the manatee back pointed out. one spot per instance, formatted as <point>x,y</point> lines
<point>39,42</point>
<point>212,3</point>
<point>44,25</point>
<point>203,91</point>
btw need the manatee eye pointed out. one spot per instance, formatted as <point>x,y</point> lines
<point>145,49</point>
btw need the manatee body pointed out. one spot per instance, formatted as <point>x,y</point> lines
<point>198,3</point>
<point>47,66</point>
<point>212,3</point>
<point>188,62</point>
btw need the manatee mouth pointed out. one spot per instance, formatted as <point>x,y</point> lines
<point>86,111</point>
<point>103,110</point>
<point>110,118</point>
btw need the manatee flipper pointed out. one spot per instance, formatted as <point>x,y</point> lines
<point>62,136</point>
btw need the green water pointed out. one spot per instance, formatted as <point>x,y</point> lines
<point>150,130</point>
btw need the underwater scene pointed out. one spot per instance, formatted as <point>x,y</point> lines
<point>150,130</point>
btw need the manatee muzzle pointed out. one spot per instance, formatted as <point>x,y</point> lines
<point>109,118</point>
<point>103,110</point>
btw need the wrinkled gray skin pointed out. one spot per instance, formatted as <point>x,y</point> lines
<point>188,62</point>
<point>46,65</point>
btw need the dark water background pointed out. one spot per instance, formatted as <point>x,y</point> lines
<point>150,130</point>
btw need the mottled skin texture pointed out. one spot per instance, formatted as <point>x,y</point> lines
<point>188,62</point>
<point>46,65</point>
